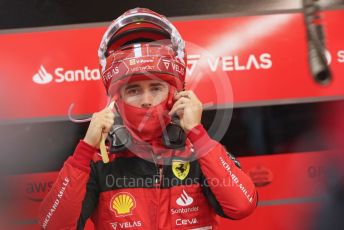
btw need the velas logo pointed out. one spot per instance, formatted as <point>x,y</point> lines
<point>166,63</point>
<point>171,66</point>
<point>127,224</point>
<point>122,204</point>
<point>229,63</point>
<point>61,75</point>
<point>180,168</point>
<point>114,225</point>
<point>184,199</point>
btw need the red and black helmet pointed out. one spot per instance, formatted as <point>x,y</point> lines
<point>141,44</point>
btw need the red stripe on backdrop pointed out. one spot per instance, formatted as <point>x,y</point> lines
<point>264,57</point>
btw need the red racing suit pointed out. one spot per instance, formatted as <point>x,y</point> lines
<point>132,193</point>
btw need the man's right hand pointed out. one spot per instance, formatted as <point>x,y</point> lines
<point>100,124</point>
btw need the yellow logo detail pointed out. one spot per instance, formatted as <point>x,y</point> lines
<point>122,204</point>
<point>132,62</point>
<point>180,168</point>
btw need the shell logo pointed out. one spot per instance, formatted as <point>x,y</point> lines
<point>122,204</point>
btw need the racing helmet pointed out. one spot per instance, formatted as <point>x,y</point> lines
<point>141,44</point>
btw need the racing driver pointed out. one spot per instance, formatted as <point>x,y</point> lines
<point>168,174</point>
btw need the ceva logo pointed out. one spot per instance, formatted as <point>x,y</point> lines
<point>43,77</point>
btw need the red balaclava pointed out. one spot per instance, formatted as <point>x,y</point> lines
<point>147,124</point>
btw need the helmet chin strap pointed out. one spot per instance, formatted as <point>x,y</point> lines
<point>75,120</point>
<point>172,92</point>
<point>103,151</point>
<point>173,136</point>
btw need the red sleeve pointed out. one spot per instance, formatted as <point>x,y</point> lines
<point>61,208</point>
<point>232,188</point>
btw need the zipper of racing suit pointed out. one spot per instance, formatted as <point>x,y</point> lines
<point>159,171</point>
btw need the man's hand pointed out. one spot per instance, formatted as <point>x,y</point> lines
<point>189,109</point>
<point>101,123</point>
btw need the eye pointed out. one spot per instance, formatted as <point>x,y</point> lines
<point>156,88</point>
<point>132,92</point>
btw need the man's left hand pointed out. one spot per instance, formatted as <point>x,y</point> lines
<point>188,108</point>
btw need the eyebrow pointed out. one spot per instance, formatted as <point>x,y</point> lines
<point>137,85</point>
<point>156,84</point>
<point>131,86</point>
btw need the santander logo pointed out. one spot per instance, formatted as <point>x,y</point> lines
<point>184,199</point>
<point>61,75</point>
<point>42,76</point>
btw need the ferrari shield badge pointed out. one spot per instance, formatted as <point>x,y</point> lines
<point>180,168</point>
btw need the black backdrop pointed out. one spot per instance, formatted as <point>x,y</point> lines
<point>33,13</point>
